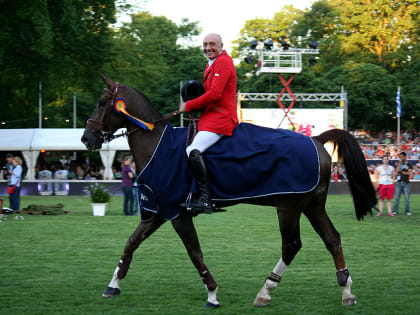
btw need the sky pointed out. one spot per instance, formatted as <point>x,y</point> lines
<point>225,17</point>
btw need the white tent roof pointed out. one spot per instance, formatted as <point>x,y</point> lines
<point>53,139</point>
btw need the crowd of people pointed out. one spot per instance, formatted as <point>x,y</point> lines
<point>69,169</point>
<point>377,145</point>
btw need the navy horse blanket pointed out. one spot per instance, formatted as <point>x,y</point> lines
<point>254,162</point>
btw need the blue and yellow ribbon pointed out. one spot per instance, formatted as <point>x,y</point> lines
<point>120,106</point>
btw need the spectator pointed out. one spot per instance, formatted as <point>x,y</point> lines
<point>335,176</point>
<point>101,173</point>
<point>135,190</point>
<point>72,171</point>
<point>403,171</point>
<point>64,161</point>
<point>127,186</point>
<point>80,173</point>
<point>8,166</point>
<point>15,180</point>
<point>384,177</point>
<point>116,173</point>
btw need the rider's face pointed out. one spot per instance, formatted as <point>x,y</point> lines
<point>212,46</point>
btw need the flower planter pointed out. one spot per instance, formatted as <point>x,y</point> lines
<point>99,209</point>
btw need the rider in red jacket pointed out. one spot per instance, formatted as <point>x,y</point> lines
<point>219,116</point>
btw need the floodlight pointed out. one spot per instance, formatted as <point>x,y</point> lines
<point>253,44</point>
<point>313,44</point>
<point>268,44</point>
<point>285,44</point>
<point>249,59</point>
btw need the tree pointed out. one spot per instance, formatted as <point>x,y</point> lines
<point>61,43</point>
<point>371,94</point>
<point>149,56</point>
<point>369,47</point>
<point>408,79</point>
<point>379,27</point>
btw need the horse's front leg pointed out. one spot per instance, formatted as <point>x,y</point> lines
<point>184,226</point>
<point>143,231</point>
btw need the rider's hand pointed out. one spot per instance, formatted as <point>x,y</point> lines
<point>182,108</point>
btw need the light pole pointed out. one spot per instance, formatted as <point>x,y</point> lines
<point>74,109</point>
<point>40,105</point>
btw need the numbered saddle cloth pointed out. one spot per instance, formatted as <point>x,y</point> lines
<point>254,162</point>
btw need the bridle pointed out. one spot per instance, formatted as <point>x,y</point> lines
<point>106,135</point>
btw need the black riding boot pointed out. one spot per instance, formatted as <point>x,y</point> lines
<point>203,203</point>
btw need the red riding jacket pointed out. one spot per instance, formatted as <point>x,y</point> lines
<point>219,100</point>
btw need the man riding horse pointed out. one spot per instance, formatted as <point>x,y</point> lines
<point>218,119</point>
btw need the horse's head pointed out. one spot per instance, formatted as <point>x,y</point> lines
<point>104,121</point>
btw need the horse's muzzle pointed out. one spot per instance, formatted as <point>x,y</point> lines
<point>92,140</point>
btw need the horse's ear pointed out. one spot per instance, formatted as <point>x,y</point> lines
<point>107,81</point>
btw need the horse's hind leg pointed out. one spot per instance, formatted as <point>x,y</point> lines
<point>143,231</point>
<point>323,226</point>
<point>184,226</point>
<point>291,243</point>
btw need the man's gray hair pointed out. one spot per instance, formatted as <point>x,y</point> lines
<point>217,35</point>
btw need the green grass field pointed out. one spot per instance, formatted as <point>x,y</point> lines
<point>61,264</point>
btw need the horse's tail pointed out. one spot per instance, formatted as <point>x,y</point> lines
<point>348,150</point>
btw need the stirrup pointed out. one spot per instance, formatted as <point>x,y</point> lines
<point>197,206</point>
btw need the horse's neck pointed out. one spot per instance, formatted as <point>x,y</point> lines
<point>143,144</point>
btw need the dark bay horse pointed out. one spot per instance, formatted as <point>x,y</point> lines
<point>105,121</point>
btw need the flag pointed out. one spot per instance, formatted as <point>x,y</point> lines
<point>398,101</point>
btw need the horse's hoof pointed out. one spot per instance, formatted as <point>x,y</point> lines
<point>111,292</point>
<point>211,305</point>
<point>260,302</point>
<point>349,301</point>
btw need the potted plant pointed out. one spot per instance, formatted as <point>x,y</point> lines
<point>100,196</point>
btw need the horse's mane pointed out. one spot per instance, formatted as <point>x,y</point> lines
<point>147,100</point>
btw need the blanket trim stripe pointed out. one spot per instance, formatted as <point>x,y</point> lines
<point>153,155</point>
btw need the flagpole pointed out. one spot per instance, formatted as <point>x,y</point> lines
<point>398,101</point>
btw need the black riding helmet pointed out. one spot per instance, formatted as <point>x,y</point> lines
<point>191,90</point>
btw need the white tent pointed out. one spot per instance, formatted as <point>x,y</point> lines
<point>32,141</point>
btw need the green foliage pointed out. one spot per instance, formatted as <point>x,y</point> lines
<point>150,56</point>
<point>380,30</point>
<point>98,193</point>
<point>368,47</point>
<point>61,43</point>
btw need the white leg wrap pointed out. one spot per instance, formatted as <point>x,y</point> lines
<point>211,296</point>
<point>347,297</point>
<point>280,268</point>
<point>115,281</point>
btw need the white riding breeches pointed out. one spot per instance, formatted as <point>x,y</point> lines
<point>203,140</point>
